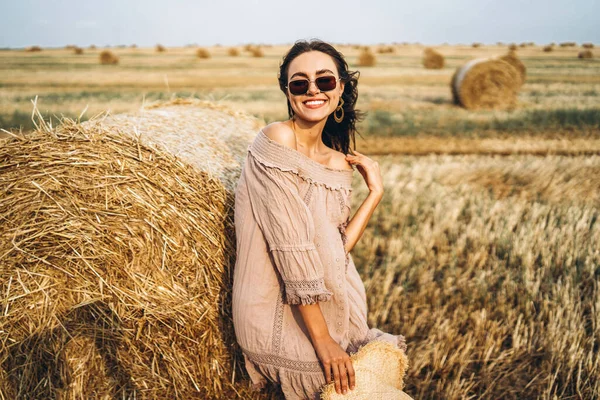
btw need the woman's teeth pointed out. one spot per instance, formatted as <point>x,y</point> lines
<point>314,102</point>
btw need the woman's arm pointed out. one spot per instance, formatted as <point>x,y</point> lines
<point>358,223</point>
<point>369,169</point>
<point>335,360</point>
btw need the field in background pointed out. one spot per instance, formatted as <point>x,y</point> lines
<point>560,98</point>
<point>484,251</point>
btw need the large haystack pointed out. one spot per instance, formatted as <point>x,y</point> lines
<point>115,256</point>
<point>486,83</point>
<point>512,59</point>
<point>585,54</point>
<point>432,59</point>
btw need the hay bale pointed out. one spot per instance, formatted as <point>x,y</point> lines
<point>585,54</point>
<point>476,45</point>
<point>568,44</point>
<point>202,53</point>
<point>512,47</point>
<point>233,52</point>
<point>588,45</point>
<point>160,48</point>
<point>548,48</point>
<point>256,52</point>
<point>107,57</point>
<point>432,59</point>
<point>485,83</point>
<point>78,50</point>
<point>33,49</point>
<point>513,60</point>
<point>116,251</point>
<point>366,58</point>
<point>92,47</point>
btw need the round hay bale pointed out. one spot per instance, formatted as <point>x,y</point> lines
<point>432,59</point>
<point>116,252</point>
<point>366,58</point>
<point>548,49</point>
<point>92,47</point>
<point>485,83</point>
<point>588,45</point>
<point>107,57</point>
<point>257,52</point>
<point>476,45</point>
<point>33,49</point>
<point>78,50</point>
<point>233,52</point>
<point>513,60</point>
<point>160,48</point>
<point>585,54</point>
<point>513,47</point>
<point>202,53</point>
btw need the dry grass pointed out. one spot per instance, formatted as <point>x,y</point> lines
<point>489,266</point>
<point>202,53</point>
<point>366,58</point>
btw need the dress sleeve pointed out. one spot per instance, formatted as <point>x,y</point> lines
<point>288,227</point>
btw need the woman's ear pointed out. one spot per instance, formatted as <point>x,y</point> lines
<point>342,85</point>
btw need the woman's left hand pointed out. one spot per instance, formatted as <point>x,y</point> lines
<point>369,169</point>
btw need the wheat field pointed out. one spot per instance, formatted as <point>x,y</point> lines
<point>485,250</point>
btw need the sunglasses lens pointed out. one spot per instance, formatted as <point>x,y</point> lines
<point>326,83</point>
<point>298,87</point>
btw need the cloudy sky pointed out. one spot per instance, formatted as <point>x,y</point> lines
<point>231,22</point>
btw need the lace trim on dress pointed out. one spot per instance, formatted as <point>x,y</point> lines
<point>306,291</point>
<point>281,362</point>
<point>275,155</point>
<point>278,324</point>
<point>342,228</point>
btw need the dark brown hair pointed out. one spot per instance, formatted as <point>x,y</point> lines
<point>337,136</point>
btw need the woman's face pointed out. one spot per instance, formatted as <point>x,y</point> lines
<point>314,105</point>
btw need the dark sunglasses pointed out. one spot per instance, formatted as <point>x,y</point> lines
<point>300,86</point>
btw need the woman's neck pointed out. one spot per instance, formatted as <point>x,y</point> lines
<point>309,136</point>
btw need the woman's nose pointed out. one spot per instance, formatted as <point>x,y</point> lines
<point>313,88</point>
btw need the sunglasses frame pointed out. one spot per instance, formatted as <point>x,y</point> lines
<point>336,79</point>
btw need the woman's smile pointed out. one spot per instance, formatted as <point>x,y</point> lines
<point>314,103</point>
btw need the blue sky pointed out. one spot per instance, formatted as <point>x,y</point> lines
<point>229,22</point>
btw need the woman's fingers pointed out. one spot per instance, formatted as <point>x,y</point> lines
<point>343,377</point>
<point>336,376</point>
<point>327,368</point>
<point>351,375</point>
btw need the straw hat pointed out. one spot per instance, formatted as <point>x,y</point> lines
<point>380,368</point>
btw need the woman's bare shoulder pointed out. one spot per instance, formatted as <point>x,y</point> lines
<point>281,133</point>
<point>338,160</point>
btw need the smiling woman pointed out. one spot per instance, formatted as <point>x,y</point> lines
<point>299,305</point>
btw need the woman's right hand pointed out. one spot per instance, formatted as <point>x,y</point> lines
<point>337,364</point>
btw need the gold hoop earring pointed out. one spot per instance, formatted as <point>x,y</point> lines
<point>338,108</point>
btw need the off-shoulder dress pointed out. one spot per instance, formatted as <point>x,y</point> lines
<point>290,217</point>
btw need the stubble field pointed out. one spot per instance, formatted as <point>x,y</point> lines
<point>485,250</point>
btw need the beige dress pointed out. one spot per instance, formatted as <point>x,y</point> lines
<point>290,216</point>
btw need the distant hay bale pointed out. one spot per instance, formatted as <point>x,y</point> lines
<point>92,47</point>
<point>585,54</point>
<point>116,254</point>
<point>485,83</point>
<point>366,58</point>
<point>202,53</point>
<point>107,57</point>
<point>78,50</point>
<point>160,48</point>
<point>548,48</point>
<point>257,52</point>
<point>233,52</point>
<point>568,44</point>
<point>512,47</point>
<point>133,46</point>
<point>386,50</point>
<point>513,60</point>
<point>476,45</point>
<point>70,47</point>
<point>33,49</point>
<point>588,45</point>
<point>432,59</point>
